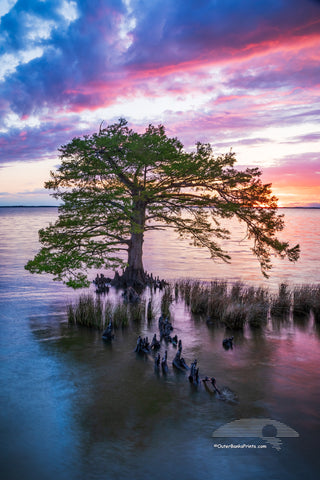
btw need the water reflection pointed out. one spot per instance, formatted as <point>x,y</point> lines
<point>167,257</point>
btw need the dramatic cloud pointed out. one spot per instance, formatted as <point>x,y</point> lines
<point>308,137</point>
<point>243,74</point>
<point>176,32</point>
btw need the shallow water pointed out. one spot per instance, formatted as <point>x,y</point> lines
<point>75,407</point>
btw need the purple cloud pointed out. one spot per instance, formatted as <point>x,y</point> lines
<point>175,32</point>
<point>34,143</point>
<point>91,47</point>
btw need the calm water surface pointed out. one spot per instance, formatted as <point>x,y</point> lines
<point>73,407</point>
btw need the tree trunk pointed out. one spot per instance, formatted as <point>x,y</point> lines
<point>134,274</point>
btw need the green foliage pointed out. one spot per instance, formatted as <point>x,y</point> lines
<point>199,299</point>
<point>303,299</point>
<point>234,316</point>
<point>116,184</point>
<point>137,311</point>
<point>151,311</point>
<point>231,305</point>
<point>166,301</point>
<point>316,304</point>
<point>306,298</point>
<point>120,315</point>
<point>89,311</point>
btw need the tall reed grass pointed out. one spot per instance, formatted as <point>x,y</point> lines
<point>90,311</point>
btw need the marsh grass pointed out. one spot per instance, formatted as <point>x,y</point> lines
<point>281,304</point>
<point>306,298</point>
<point>237,292</point>
<point>199,298</point>
<point>232,305</point>
<point>120,315</point>
<point>315,301</point>
<point>257,304</point>
<point>89,311</point>
<point>176,291</point>
<point>257,314</point>
<point>151,309</point>
<point>234,316</point>
<point>137,311</point>
<point>303,300</point>
<point>166,301</point>
<point>108,313</point>
<point>218,295</point>
<point>182,289</point>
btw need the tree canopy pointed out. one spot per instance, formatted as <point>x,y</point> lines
<point>117,184</point>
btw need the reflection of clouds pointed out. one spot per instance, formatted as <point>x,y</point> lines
<point>232,77</point>
<point>257,427</point>
<point>295,176</point>
<point>170,257</point>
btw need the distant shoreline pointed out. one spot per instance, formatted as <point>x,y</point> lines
<point>57,206</point>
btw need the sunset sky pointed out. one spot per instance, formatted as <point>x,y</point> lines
<point>240,74</point>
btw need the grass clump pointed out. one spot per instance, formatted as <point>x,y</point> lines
<point>199,298</point>
<point>88,311</point>
<point>316,303</point>
<point>120,315</point>
<point>257,301</point>
<point>215,301</point>
<point>108,313</point>
<point>303,300</point>
<point>257,314</point>
<point>166,301</point>
<point>151,310</point>
<point>137,311</point>
<point>234,316</point>
<point>218,295</point>
<point>232,305</point>
<point>183,287</point>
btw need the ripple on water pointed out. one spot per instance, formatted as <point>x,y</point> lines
<point>76,407</point>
